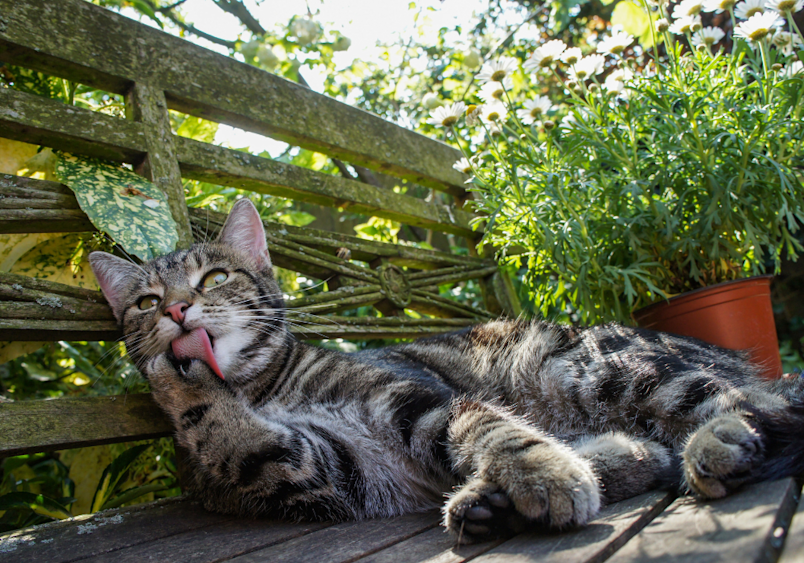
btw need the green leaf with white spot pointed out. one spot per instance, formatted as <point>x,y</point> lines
<point>132,210</point>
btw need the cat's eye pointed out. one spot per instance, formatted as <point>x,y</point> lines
<point>214,278</point>
<point>148,302</point>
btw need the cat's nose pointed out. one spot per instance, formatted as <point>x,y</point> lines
<point>176,311</point>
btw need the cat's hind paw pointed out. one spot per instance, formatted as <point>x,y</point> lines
<point>481,511</point>
<point>721,455</point>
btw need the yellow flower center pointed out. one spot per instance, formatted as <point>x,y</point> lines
<point>726,4</point>
<point>786,5</point>
<point>470,108</point>
<point>752,11</point>
<point>449,120</point>
<point>709,40</point>
<point>497,94</point>
<point>498,75</point>
<point>536,112</point>
<point>617,49</point>
<point>546,61</point>
<point>758,34</point>
<point>493,116</point>
<point>571,60</point>
<point>581,74</point>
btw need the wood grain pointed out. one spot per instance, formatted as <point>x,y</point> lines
<point>108,531</point>
<point>76,40</point>
<point>794,542</point>
<point>69,422</point>
<point>346,542</point>
<point>746,526</point>
<point>613,527</point>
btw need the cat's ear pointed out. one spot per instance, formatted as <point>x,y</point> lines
<point>244,231</point>
<point>114,277</point>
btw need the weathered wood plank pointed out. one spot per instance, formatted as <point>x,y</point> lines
<point>614,526</point>
<point>220,542</point>
<point>147,105</point>
<point>346,542</point>
<point>34,119</point>
<point>794,542</point>
<point>69,422</point>
<point>21,221</point>
<point>42,121</point>
<point>741,527</point>
<point>82,42</point>
<point>218,165</point>
<point>106,532</point>
<point>432,546</point>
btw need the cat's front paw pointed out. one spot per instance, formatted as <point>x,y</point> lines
<point>179,383</point>
<point>721,455</point>
<point>480,511</point>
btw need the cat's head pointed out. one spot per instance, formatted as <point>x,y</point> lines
<point>217,302</point>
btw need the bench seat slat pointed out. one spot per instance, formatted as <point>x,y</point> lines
<point>346,542</point>
<point>794,543</point>
<point>746,526</point>
<point>613,527</point>
<point>105,532</point>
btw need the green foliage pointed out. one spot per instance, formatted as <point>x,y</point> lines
<point>131,209</point>
<point>36,488</point>
<point>650,186</point>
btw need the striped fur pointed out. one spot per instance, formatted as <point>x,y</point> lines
<point>519,423</point>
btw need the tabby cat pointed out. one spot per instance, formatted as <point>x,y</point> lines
<point>518,423</point>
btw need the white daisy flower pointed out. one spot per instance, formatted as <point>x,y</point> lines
<point>757,26</point>
<point>545,55</point>
<point>718,6</point>
<point>587,67</point>
<point>493,112</point>
<point>447,116</point>
<point>463,165</point>
<point>785,6</point>
<point>472,115</point>
<point>687,8</point>
<point>616,81</point>
<point>615,44</point>
<point>534,109</point>
<point>685,25</point>
<point>497,70</point>
<point>494,90</point>
<point>748,8</point>
<point>786,42</point>
<point>572,55</point>
<point>708,36</point>
<point>796,67</point>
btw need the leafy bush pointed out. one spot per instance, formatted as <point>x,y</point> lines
<point>650,182</point>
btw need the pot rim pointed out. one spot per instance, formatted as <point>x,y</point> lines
<point>696,292</point>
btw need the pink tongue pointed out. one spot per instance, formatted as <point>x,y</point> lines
<point>196,345</point>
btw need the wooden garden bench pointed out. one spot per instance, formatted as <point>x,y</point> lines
<point>155,72</point>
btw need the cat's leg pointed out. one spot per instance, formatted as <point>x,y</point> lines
<point>628,466</point>
<point>250,464</point>
<point>519,475</point>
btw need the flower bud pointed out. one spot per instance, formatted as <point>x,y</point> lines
<point>431,101</point>
<point>267,57</point>
<point>662,25</point>
<point>471,59</point>
<point>697,26</point>
<point>572,85</point>
<point>342,43</point>
<point>594,87</point>
<point>776,67</point>
<point>700,48</point>
<point>249,50</point>
<point>549,124</point>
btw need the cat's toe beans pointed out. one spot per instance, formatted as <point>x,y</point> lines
<point>479,512</point>
<point>499,500</point>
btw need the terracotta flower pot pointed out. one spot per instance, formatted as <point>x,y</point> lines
<point>735,315</point>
